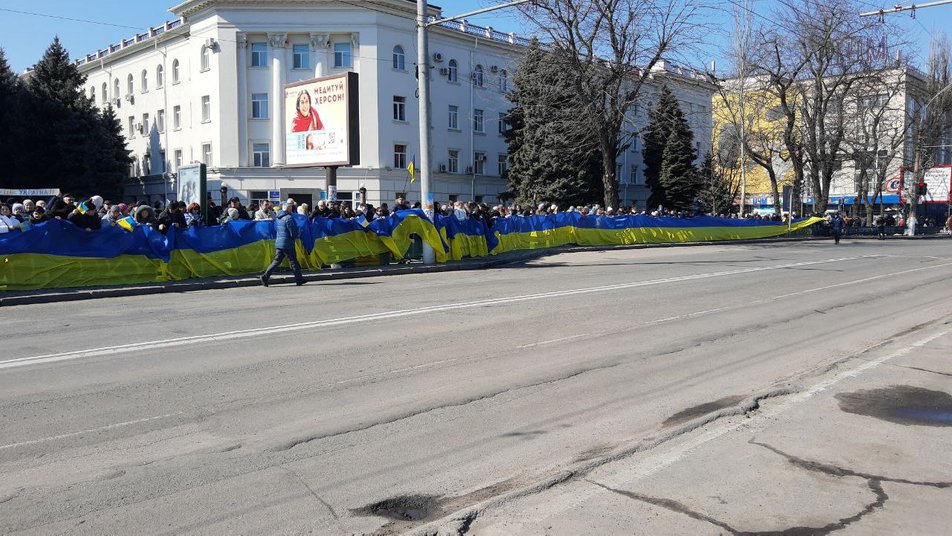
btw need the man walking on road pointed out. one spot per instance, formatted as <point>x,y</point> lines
<point>837,224</point>
<point>286,233</point>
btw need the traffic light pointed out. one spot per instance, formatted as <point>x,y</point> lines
<point>921,190</point>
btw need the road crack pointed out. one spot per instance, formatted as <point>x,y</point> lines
<point>681,508</point>
<point>832,470</point>
<point>310,490</point>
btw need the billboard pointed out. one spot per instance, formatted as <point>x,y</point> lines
<point>322,121</point>
<point>938,180</point>
<point>191,185</point>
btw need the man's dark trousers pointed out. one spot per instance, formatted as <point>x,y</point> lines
<point>278,257</point>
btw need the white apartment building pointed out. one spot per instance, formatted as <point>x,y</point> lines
<point>208,88</point>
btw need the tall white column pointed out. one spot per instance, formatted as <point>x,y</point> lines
<point>278,44</point>
<point>242,100</point>
<point>319,44</point>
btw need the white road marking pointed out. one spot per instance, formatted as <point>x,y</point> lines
<point>90,431</point>
<point>855,281</point>
<point>551,341</point>
<point>255,332</point>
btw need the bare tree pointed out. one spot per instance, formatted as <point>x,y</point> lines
<point>755,122</point>
<point>610,46</point>
<point>876,134</point>
<point>931,117</point>
<point>814,59</point>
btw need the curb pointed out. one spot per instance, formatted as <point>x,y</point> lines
<point>251,280</point>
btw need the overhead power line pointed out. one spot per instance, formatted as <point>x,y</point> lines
<point>71,19</point>
<point>899,9</point>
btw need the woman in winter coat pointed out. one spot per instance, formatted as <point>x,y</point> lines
<point>144,215</point>
<point>193,215</point>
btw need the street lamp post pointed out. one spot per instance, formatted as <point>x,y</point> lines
<point>423,88</point>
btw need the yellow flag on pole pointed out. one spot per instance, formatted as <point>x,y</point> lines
<point>411,169</point>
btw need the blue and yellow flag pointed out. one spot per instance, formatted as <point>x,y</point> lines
<point>411,169</point>
<point>85,207</point>
<point>128,223</point>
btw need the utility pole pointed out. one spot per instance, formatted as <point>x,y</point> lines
<point>423,88</point>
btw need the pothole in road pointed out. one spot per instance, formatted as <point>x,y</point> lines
<point>701,410</point>
<point>900,404</point>
<point>403,508</point>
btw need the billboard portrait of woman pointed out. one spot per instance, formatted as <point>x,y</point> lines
<point>306,118</point>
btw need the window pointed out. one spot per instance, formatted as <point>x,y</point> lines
<point>147,164</point>
<point>145,124</point>
<point>206,109</point>
<point>452,71</point>
<point>206,58</point>
<point>478,120</point>
<point>132,126</point>
<point>503,81</point>
<point>159,76</point>
<point>92,94</point>
<point>399,156</point>
<point>105,93</point>
<point>262,154</point>
<point>453,166</point>
<point>503,123</point>
<point>160,121</point>
<point>502,165</point>
<point>115,89</point>
<point>302,56</point>
<point>399,58</point>
<point>634,174</point>
<point>175,71</point>
<point>259,54</point>
<point>478,76</point>
<point>178,159</point>
<point>399,108</point>
<point>176,117</point>
<point>342,56</point>
<point>145,81</point>
<point>207,154</point>
<point>453,118</point>
<point>162,157</point>
<point>130,85</point>
<point>479,163</point>
<point>259,105</point>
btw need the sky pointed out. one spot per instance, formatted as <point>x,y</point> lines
<point>28,26</point>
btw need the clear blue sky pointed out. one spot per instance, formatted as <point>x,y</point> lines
<point>24,37</point>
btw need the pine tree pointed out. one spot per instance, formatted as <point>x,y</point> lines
<point>716,193</point>
<point>656,134</point>
<point>10,92</point>
<point>108,162</point>
<point>669,156</point>
<point>68,144</point>
<point>56,79</point>
<point>551,158</point>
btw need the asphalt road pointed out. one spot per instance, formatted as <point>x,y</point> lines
<point>327,408</point>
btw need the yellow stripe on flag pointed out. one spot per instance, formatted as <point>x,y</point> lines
<point>412,170</point>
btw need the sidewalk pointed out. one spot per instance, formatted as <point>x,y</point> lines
<point>862,449</point>
<point>27,297</point>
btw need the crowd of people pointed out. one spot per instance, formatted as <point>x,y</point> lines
<point>95,213</point>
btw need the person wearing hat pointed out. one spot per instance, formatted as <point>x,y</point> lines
<point>235,203</point>
<point>173,216</point>
<point>144,215</point>
<point>86,216</point>
<point>286,234</point>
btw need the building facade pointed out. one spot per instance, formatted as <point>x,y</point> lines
<point>208,87</point>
